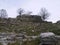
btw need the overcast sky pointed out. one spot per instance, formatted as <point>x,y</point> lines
<point>11,6</point>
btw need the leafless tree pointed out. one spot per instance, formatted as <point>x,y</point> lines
<point>44,14</point>
<point>3,13</point>
<point>20,11</point>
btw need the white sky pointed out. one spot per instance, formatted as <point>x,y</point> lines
<point>53,7</point>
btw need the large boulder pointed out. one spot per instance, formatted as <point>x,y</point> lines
<point>48,38</point>
<point>47,34</point>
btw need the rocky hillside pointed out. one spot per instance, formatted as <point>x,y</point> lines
<point>28,24</point>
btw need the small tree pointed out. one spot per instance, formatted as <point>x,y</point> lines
<point>20,11</point>
<point>3,13</point>
<point>44,14</point>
